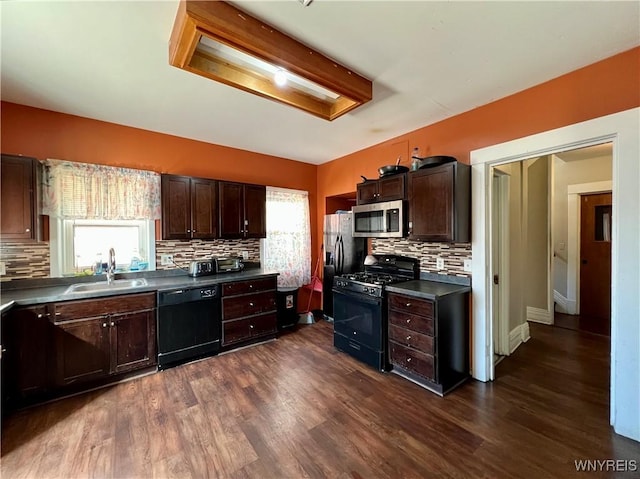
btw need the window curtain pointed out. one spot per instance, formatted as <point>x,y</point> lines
<point>81,190</point>
<point>287,247</point>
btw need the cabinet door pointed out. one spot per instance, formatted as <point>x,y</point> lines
<point>17,198</point>
<point>176,207</point>
<point>392,188</point>
<point>204,209</point>
<point>431,207</point>
<point>367,192</point>
<point>133,341</point>
<point>82,350</point>
<point>26,343</point>
<point>230,201</point>
<point>255,211</point>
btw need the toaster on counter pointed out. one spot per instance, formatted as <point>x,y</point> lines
<point>228,265</point>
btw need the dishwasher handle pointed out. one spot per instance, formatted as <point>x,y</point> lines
<point>185,295</point>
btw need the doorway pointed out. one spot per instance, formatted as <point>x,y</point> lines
<point>623,129</point>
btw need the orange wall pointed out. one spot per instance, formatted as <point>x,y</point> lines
<point>46,134</point>
<point>606,87</point>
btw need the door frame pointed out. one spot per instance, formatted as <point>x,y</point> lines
<point>623,129</point>
<point>500,241</point>
<point>573,237</point>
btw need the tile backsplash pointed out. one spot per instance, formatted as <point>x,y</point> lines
<point>453,255</point>
<point>31,260</point>
<point>25,260</point>
<point>185,251</point>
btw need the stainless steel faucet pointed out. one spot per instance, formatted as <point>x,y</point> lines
<point>111,265</point>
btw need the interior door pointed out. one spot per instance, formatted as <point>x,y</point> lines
<point>595,258</point>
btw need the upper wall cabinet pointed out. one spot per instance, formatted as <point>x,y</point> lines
<point>189,208</point>
<point>439,203</point>
<point>385,189</point>
<point>242,210</point>
<point>18,198</point>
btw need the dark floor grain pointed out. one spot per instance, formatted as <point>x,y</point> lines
<point>296,407</point>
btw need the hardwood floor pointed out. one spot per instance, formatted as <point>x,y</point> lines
<point>587,324</point>
<point>296,407</point>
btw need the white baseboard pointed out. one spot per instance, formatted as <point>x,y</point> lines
<point>517,336</point>
<point>564,305</point>
<point>538,315</point>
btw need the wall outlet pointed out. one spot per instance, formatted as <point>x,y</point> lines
<point>166,259</point>
<point>467,265</point>
<point>3,268</point>
<point>440,263</point>
<point>245,255</point>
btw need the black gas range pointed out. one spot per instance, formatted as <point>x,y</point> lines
<point>360,308</point>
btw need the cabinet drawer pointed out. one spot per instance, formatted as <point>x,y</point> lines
<point>252,286</point>
<point>410,338</point>
<point>88,308</point>
<point>414,361</point>
<point>412,322</point>
<point>248,305</point>
<point>245,329</point>
<point>423,307</point>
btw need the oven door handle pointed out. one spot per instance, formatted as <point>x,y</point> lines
<point>357,296</point>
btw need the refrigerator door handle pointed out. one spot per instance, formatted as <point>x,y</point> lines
<point>341,256</point>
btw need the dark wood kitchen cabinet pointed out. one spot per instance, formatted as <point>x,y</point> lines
<point>242,210</point>
<point>26,350</point>
<point>439,203</point>
<point>18,198</point>
<point>385,189</point>
<point>189,208</point>
<point>248,311</point>
<point>97,338</point>
<point>429,339</point>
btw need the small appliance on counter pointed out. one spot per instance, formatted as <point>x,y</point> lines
<point>201,267</point>
<point>228,265</point>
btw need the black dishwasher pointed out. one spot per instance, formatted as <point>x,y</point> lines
<point>189,324</point>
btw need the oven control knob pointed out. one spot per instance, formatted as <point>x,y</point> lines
<point>365,289</point>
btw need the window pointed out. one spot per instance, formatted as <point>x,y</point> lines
<point>93,208</point>
<point>287,247</point>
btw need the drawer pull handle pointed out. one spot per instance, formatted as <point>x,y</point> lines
<point>408,305</point>
<point>408,338</point>
<point>40,315</point>
<point>408,360</point>
<point>58,314</point>
<point>250,286</point>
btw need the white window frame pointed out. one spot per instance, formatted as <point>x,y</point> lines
<point>62,242</point>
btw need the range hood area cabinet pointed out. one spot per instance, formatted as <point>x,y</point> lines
<point>384,189</point>
<point>189,208</point>
<point>18,198</point>
<point>439,203</point>
<point>242,210</point>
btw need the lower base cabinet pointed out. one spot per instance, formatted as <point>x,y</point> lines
<point>248,311</point>
<point>49,349</point>
<point>429,339</point>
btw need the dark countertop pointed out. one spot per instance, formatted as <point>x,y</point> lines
<point>53,293</point>
<point>432,290</point>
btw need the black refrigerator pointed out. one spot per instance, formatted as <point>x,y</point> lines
<point>342,254</point>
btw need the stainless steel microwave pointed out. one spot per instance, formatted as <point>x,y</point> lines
<point>379,220</point>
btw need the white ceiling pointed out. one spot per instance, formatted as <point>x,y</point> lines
<point>428,61</point>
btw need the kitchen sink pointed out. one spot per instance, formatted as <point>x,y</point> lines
<point>116,285</point>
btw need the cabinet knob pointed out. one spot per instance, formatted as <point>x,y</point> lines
<point>104,325</point>
<point>40,315</point>
<point>251,326</point>
<point>58,313</point>
<point>409,338</point>
<point>408,360</point>
<point>112,323</point>
<point>408,305</point>
<point>408,320</point>
<point>27,230</point>
<point>251,304</point>
<point>188,231</point>
<point>250,286</point>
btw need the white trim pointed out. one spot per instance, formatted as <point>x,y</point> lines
<point>288,190</point>
<point>623,129</point>
<point>573,236</point>
<point>517,336</point>
<point>538,315</point>
<point>565,305</point>
<point>501,257</point>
